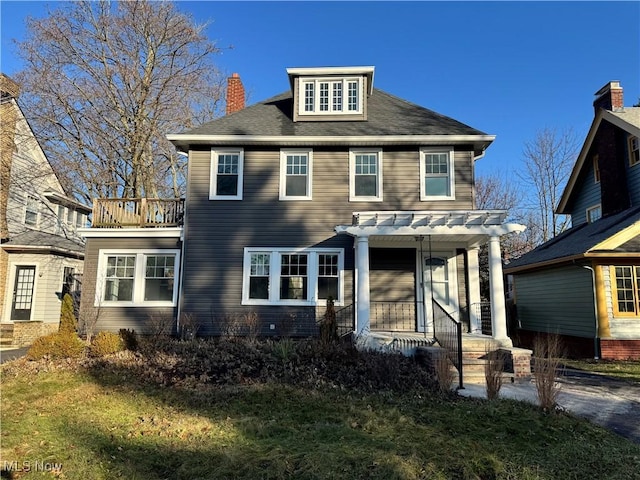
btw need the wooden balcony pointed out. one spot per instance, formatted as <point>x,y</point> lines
<point>137,212</point>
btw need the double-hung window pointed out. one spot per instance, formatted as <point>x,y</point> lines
<point>282,276</point>
<point>436,174</point>
<point>594,213</point>
<point>31,211</point>
<point>365,175</point>
<point>634,150</point>
<point>626,280</point>
<point>226,174</point>
<point>326,96</point>
<point>133,278</point>
<point>296,167</point>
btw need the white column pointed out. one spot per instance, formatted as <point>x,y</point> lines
<point>475,322</point>
<point>496,283</point>
<point>362,285</point>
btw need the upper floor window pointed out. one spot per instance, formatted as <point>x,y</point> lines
<point>226,174</point>
<point>594,213</point>
<point>296,167</point>
<point>326,96</point>
<point>31,211</point>
<point>132,278</point>
<point>634,150</point>
<point>436,174</point>
<point>365,175</point>
<point>596,168</point>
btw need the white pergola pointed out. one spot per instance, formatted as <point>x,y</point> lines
<point>469,228</point>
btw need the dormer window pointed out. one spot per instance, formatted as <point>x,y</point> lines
<point>326,96</point>
<point>330,93</point>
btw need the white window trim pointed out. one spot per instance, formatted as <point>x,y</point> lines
<point>283,173</point>
<point>213,175</point>
<point>37,211</point>
<point>274,276</point>
<point>423,172</point>
<point>352,175</point>
<point>316,95</point>
<point>631,150</point>
<point>138,279</point>
<point>591,209</point>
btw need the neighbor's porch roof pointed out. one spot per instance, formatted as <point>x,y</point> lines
<point>472,227</point>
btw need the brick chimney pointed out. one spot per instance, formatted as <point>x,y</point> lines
<point>235,94</point>
<point>609,97</point>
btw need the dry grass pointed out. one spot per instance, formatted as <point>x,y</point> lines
<point>493,370</point>
<point>444,371</point>
<point>547,359</point>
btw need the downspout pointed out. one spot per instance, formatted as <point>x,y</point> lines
<point>596,353</point>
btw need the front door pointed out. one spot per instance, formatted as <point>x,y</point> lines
<point>438,283</point>
<point>23,293</point>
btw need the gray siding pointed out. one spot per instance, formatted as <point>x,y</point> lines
<point>556,301</point>
<point>217,231</point>
<point>109,318</point>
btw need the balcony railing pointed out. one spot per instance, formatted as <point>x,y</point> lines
<point>137,212</point>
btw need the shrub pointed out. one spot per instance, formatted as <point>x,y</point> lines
<point>547,352</point>
<point>329,325</point>
<point>106,343</point>
<point>444,371</point>
<point>129,338</point>
<point>56,346</point>
<point>68,322</point>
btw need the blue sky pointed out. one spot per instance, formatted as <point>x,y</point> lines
<point>506,68</point>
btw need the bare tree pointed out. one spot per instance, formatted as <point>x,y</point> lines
<point>548,161</point>
<point>106,81</point>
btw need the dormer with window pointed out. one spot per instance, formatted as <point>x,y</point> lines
<point>330,93</point>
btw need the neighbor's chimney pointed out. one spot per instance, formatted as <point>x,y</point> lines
<point>609,97</point>
<point>235,94</point>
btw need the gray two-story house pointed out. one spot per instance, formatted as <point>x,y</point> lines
<point>584,285</point>
<point>332,189</point>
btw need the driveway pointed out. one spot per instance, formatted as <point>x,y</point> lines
<point>608,402</point>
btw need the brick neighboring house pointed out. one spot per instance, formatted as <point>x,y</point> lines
<point>41,255</point>
<point>585,284</point>
<point>331,189</point>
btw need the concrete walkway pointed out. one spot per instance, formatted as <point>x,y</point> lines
<point>608,402</point>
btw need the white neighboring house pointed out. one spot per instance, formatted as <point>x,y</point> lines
<point>41,256</point>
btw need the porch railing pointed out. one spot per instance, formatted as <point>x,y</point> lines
<point>393,316</point>
<point>345,320</point>
<point>448,332</point>
<point>483,312</point>
<point>137,212</point>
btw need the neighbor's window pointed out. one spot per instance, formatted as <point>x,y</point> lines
<point>365,179</point>
<point>295,174</point>
<point>627,289</point>
<point>31,211</point>
<point>594,213</point>
<point>596,168</point>
<point>226,174</point>
<point>303,277</point>
<point>634,150</point>
<point>137,278</point>
<point>436,172</point>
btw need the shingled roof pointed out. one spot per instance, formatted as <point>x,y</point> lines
<point>36,240</point>
<point>580,240</point>
<point>386,115</point>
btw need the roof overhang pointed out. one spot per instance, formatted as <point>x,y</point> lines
<point>43,249</point>
<point>160,232</point>
<point>184,141</point>
<point>601,115</point>
<point>332,71</point>
<point>58,198</point>
<point>471,227</point>
<point>587,257</point>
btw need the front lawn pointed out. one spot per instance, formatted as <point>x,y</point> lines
<point>623,369</point>
<point>226,410</point>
